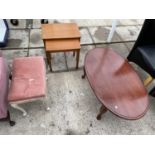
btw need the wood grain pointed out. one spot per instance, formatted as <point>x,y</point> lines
<point>64,37</point>
<point>60,31</point>
<point>116,84</point>
<point>60,45</point>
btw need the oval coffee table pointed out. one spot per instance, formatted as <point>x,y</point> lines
<point>116,84</point>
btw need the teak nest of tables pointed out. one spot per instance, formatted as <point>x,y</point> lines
<point>61,38</point>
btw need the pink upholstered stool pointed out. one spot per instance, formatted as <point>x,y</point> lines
<point>28,81</point>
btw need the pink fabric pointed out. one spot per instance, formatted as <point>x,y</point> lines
<point>4,83</point>
<point>28,79</point>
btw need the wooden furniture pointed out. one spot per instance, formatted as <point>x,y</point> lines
<point>61,38</point>
<point>116,84</point>
<point>28,81</point>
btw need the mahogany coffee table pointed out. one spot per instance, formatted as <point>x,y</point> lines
<point>116,84</point>
<point>61,38</point>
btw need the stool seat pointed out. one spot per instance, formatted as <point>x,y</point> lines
<point>28,79</point>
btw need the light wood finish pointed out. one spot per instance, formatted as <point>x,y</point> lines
<point>116,84</point>
<point>60,31</point>
<point>61,38</point>
<point>49,60</point>
<point>148,80</point>
<point>62,45</point>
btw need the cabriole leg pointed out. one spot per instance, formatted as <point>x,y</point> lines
<point>103,109</point>
<point>44,102</point>
<point>16,106</point>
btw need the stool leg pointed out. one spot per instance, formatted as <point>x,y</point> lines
<point>84,75</point>
<point>12,123</point>
<point>16,106</point>
<point>77,59</point>
<point>48,55</point>
<point>44,102</point>
<point>103,109</point>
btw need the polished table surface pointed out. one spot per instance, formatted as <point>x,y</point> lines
<point>60,45</point>
<point>116,84</point>
<point>64,37</point>
<point>60,31</point>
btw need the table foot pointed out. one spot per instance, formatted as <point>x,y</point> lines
<point>51,69</point>
<point>103,109</point>
<point>84,75</point>
<point>73,54</point>
<point>77,59</point>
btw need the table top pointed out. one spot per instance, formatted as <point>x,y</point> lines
<point>116,84</point>
<point>60,31</point>
<point>62,45</point>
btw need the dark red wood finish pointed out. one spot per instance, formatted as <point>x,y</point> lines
<point>116,84</point>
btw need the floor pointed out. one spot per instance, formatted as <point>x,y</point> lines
<point>72,102</point>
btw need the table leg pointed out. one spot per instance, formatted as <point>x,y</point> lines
<point>77,59</point>
<point>48,55</point>
<point>73,53</point>
<point>84,75</point>
<point>103,109</point>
